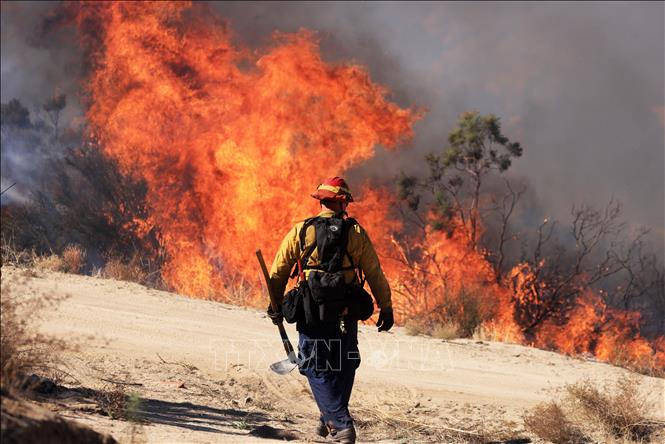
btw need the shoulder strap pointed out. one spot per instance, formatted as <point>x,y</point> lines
<point>303,231</point>
<point>348,224</point>
<point>361,276</point>
<point>304,254</point>
<point>298,268</point>
<point>303,237</point>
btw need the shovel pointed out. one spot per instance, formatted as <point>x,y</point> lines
<point>287,365</point>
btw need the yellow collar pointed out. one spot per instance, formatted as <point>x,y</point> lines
<point>328,213</point>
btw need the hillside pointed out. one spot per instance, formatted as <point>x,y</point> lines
<point>201,371</point>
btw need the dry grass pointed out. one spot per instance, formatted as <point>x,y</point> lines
<point>240,292</point>
<point>617,412</point>
<point>649,366</point>
<point>401,423</point>
<point>459,315</point>
<point>620,410</point>
<point>415,327</point>
<point>395,425</point>
<point>23,350</point>
<point>445,330</point>
<point>549,422</point>
<point>113,402</point>
<point>469,313</point>
<point>489,332</point>
<point>438,330</point>
<point>73,257</point>
<point>52,262</point>
<point>11,255</point>
<point>117,404</point>
<point>72,260</point>
<point>137,269</point>
<point>131,271</point>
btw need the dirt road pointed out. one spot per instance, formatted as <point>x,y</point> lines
<point>201,370</point>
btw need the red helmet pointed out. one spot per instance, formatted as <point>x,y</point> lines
<point>334,188</point>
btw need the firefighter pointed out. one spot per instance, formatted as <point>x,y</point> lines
<point>329,349</point>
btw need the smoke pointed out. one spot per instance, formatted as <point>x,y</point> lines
<point>35,69</point>
<point>581,86</point>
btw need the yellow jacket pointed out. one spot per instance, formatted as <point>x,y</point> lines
<point>359,248</point>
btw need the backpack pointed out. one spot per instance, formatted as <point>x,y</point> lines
<point>323,295</point>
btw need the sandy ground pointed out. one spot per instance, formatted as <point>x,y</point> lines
<point>201,370</point>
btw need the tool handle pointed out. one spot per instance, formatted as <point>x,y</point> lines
<point>288,348</point>
<point>266,276</point>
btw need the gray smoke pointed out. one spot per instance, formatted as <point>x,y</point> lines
<point>33,71</point>
<point>581,86</point>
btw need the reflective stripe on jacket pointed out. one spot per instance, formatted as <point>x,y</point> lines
<point>359,247</point>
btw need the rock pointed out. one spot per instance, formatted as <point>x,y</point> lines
<point>38,384</point>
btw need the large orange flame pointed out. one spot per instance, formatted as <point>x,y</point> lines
<point>231,142</point>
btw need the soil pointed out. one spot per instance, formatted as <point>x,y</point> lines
<point>200,370</point>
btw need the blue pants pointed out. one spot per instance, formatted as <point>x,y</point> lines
<point>331,359</point>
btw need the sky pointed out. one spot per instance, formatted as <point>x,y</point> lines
<point>580,85</point>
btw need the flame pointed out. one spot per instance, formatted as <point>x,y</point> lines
<point>591,326</point>
<point>230,143</point>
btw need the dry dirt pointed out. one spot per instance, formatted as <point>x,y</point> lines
<point>201,371</point>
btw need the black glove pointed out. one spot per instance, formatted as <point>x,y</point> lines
<point>386,320</point>
<point>276,317</point>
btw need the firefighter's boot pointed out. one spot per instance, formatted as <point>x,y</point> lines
<point>344,436</point>
<point>321,428</point>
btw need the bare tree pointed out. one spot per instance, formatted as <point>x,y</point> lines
<point>548,284</point>
<point>641,282</point>
<point>504,206</point>
<point>53,108</point>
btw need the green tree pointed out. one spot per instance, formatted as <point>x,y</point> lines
<point>476,147</point>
